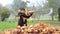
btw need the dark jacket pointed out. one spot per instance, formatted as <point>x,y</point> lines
<point>21,22</point>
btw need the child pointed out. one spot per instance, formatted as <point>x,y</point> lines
<point>23,16</point>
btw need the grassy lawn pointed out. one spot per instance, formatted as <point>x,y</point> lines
<point>12,24</point>
<point>53,23</point>
<point>7,25</point>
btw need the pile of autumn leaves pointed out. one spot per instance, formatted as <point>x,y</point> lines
<point>39,28</point>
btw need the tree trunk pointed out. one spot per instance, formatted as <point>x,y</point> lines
<point>52,17</point>
<point>59,14</point>
<point>3,19</point>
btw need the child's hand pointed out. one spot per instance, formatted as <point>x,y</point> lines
<point>27,13</point>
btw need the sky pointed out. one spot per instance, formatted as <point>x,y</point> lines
<point>36,2</point>
<point>5,2</point>
<point>32,2</point>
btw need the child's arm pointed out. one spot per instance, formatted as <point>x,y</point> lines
<point>28,15</point>
<point>25,15</point>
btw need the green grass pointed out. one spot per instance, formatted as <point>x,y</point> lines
<point>53,23</point>
<point>7,25</point>
<point>12,24</point>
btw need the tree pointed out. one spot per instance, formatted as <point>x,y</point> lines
<point>54,5</point>
<point>19,4</point>
<point>4,13</point>
<point>15,6</point>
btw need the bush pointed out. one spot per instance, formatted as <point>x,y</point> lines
<point>5,12</point>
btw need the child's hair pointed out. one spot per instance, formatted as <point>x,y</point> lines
<point>22,9</point>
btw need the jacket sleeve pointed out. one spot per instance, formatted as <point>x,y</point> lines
<point>27,16</point>
<point>24,15</point>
